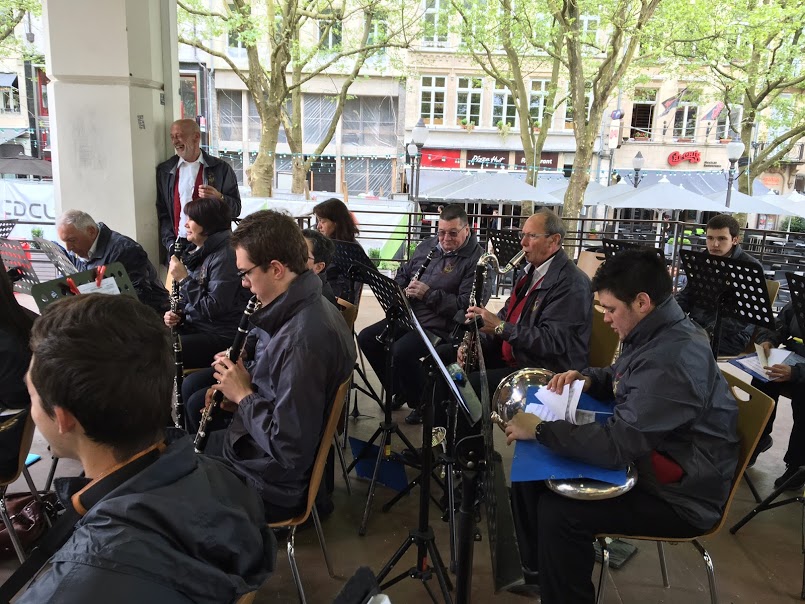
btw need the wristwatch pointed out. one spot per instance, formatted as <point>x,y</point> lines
<point>538,430</point>
<point>499,328</point>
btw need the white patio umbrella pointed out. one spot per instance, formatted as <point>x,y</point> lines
<point>796,208</point>
<point>591,189</point>
<point>741,202</point>
<point>601,196</point>
<point>663,195</point>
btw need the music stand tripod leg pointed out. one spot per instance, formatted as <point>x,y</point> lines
<point>769,503</point>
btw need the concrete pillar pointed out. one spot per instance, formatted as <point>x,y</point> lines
<point>113,92</point>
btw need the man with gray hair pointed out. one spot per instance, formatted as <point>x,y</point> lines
<point>90,244</point>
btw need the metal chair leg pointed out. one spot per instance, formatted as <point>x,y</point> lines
<point>663,567</point>
<point>12,533</point>
<point>602,577</point>
<point>35,493</point>
<point>711,574</point>
<point>51,473</point>
<point>294,568</point>
<point>340,454</point>
<point>322,543</point>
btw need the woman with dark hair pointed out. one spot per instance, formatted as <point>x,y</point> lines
<point>15,330</point>
<point>334,220</point>
<point>211,296</point>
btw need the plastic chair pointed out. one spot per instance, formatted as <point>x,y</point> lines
<point>754,409</point>
<point>246,598</point>
<point>589,262</point>
<point>25,447</point>
<point>604,341</point>
<point>313,489</point>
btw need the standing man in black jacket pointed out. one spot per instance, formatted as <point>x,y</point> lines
<point>188,175</point>
<point>90,244</point>
<point>722,240</point>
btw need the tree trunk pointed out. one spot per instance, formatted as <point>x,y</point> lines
<point>262,170</point>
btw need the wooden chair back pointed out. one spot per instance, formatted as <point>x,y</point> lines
<point>603,340</point>
<point>321,455</point>
<point>349,311</point>
<point>774,288</point>
<point>589,262</point>
<point>25,446</point>
<point>246,598</point>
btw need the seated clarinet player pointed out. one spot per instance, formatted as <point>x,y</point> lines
<point>151,521</point>
<point>280,393</point>
<point>438,280</point>
<point>674,419</point>
<point>211,299</point>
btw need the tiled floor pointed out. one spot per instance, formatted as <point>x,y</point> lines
<point>763,563</point>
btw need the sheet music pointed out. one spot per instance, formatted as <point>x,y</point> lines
<point>777,356</point>
<point>562,405</point>
<point>108,286</point>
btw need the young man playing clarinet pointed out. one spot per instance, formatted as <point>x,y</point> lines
<point>674,419</point>
<point>303,353</point>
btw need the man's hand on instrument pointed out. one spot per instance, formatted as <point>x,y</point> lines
<point>417,289</point>
<point>172,319</point>
<point>176,269</point>
<point>557,383</point>
<point>211,192</point>
<point>521,427</point>
<point>491,320</point>
<point>233,379</point>
<point>779,373</point>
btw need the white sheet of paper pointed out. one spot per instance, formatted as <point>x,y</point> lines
<point>573,401</point>
<point>777,356</point>
<point>108,286</point>
<point>761,354</point>
<point>542,412</point>
<point>563,404</point>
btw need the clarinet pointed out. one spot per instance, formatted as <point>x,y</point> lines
<point>233,354</point>
<point>178,361</point>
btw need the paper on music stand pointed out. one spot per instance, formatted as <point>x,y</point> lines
<point>108,286</point>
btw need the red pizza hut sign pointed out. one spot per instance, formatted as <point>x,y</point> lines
<point>676,157</point>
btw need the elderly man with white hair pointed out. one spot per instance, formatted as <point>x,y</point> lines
<point>90,244</point>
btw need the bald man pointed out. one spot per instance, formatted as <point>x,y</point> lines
<point>188,175</point>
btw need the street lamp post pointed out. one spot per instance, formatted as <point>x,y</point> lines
<point>735,150</point>
<point>419,135</point>
<point>637,163</point>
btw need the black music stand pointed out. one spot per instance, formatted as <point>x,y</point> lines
<point>797,286</point>
<point>347,255</point>
<point>57,256</point>
<point>6,226</point>
<point>50,291</point>
<point>14,256</point>
<point>615,246</point>
<point>734,289</point>
<point>398,316</point>
<point>506,245</point>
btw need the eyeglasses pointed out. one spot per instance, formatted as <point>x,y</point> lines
<point>533,236</point>
<point>243,274</point>
<point>452,234</point>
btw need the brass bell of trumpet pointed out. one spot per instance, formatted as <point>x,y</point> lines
<point>510,396</point>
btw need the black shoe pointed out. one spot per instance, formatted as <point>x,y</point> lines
<point>397,401</point>
<point>530,589</point>
<point>763,445</point>
<point>412,458</point>
<point>790,472</point>
<point>413,418</point>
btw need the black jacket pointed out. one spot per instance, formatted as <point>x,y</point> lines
<point>213,297</point>
<point>225,181</point>
<point>786,328</point>
<point>114,247</point>
<point>450,277</point>
<point>670,397</point>
<point>735,334</point>
<point>184,529</point>
<point>14,359</point>
<point>554,328</point>
<point>303,354</point>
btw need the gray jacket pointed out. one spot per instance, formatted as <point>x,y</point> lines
<point>213,297</point>
<point>184,529</point>
<point>450,277</point>
<point>670,398</point>
<point>115,247</point>
<point>304,353</point>
<point>735,334</point>
<point>554,328</point>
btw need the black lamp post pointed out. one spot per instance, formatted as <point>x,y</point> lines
<point>735,150</point>
<point>419,135</point>
<point>637,163</point>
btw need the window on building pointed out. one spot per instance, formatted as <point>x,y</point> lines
<point>435,29</point>
<point>329,34</point>
<point>727,122</point>
<point>432,100</point>
<point>468,100</point>
<point>778,120</point>
<point>255,124</point>
<point>570,112</point>
<point>235,47</point>
<point>230,115</point>
<point>366,175</point>
<point>378,32</point>
<point>236,161</point>
<point>9,99</point>
<point>188,95</point>
<point>318,111</point>
<point>588,26</point>
<point>643,103</point>
<point>685,119</point>
<point>536,103</point>
<point>369,120</point>
<point>503,108</point>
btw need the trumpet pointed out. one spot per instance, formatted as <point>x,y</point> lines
<point>485,262</point>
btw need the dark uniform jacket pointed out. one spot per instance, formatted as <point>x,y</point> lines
<point>553,331</point>
<point>735,334</point>
<point>213,297</point>
<point>450,277</point>
<point>303,354</point>
<point>184,529</point>
<point>114,247</point>
<point>225,181</point>
<point>670,398</point>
